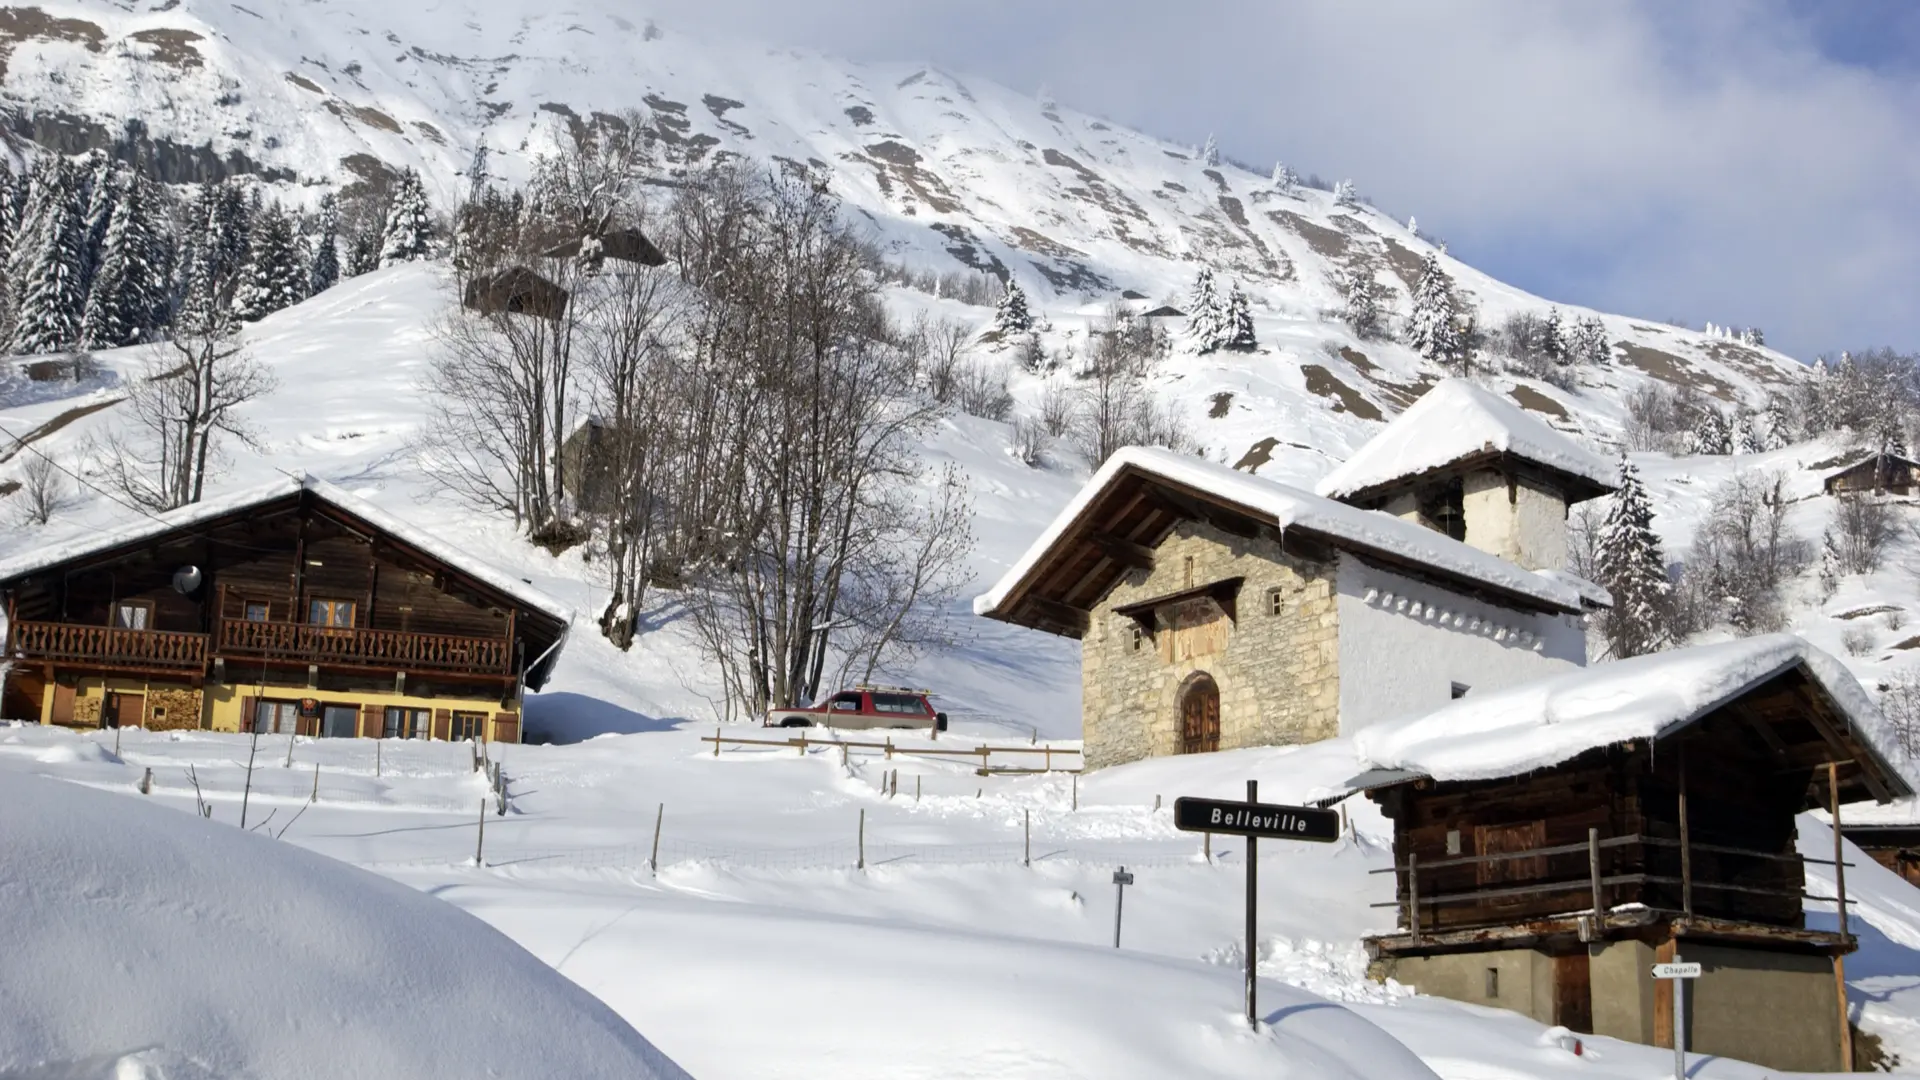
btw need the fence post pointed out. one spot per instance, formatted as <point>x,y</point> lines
<point>316,784</point>
<point>803,745</point>
<point>916,787</point>
<point>1156,804</point>
<point>716,740</point>
<point>1206,847</point>
<point>1686,844</point>
<point>376,756</point>
<point>843,755</point>
<point>1413,895</point>
<point>1840,905</point>
<point>653,861</point>
<point>1593,869</point>
<point>146,782</point>
<point>862,864</point>
<point>889,748</point>
<point>480,844</point>
<point>1026,824</point>
<point>1076,791</point>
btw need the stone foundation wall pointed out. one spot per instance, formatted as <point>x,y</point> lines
<point>1278,674</point>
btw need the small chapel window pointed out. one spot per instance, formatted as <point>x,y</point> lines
<point>1276,603</point>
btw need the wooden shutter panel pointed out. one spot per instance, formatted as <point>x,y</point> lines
<point>372,721</point>
<point>247,709</point>
<point>62,704</point>
<point>443,723</point>
<point>506,727</point>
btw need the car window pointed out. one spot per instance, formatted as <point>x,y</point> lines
<point>898,703</point>
<point>847,703</point>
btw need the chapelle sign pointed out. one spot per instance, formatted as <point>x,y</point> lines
<point>1255,820</point>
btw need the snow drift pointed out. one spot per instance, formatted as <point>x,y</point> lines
<point>147,943</point>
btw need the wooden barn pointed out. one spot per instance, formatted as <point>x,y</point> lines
<point>626,245</point>
<point>518,291</point>
<point>1875,474</point>
<point>1553,840</point>
<point>1890,834</point>
<point>293,608</point>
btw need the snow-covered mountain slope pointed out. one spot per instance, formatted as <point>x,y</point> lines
<point>948,172</point>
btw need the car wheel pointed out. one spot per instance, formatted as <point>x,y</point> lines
<point>795,721</point>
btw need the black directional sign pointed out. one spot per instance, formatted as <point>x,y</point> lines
<point>1265,820</point>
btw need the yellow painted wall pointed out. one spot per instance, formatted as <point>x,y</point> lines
<point>220,702</point>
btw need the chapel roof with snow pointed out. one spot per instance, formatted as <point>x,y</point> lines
<point>1458,426</point>
<point>1801,702</point>
<point>1141,493</point>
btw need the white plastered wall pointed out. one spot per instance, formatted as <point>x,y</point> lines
<point>1520,523</point>
<point>1404,644</point>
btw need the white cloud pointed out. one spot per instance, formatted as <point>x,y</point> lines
<point>1694,161</point>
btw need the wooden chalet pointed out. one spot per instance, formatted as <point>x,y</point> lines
<point>1889,834</point>
<point>1553,840</point>
<point>518,291</point>
<point>294,608</point>
<point>1874,474</point>
<point>626,245</point>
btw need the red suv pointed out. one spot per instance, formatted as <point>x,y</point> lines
<point>865,707</point>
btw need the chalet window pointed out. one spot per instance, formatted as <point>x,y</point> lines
<point>276,717</point>
<point>256,611</point>
<point>1453,841</point>
<point>133,615</point>
<point>332,613</point>
<point>467,725</point>
<point>407,723</point>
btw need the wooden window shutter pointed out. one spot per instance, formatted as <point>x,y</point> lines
<point>62,704</point>
<point>247,709</point>
<point>506,727</point>
<point>372,720</point>
<point>443,723</point>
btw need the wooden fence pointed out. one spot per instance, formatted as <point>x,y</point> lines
<point>984,753</point>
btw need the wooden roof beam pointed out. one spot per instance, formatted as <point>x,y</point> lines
<point>1058,614</point>
<point>1123,551</point>
<point>1841,751</point>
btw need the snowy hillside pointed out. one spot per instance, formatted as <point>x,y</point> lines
<point>949,173</point>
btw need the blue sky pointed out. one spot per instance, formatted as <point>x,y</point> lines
<point>1745,162</point>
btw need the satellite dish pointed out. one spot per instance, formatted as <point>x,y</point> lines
<point>186,580</point>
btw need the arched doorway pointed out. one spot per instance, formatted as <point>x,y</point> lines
<point>1199,716</point>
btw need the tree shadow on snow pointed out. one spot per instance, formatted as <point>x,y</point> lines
<point>563,717</point>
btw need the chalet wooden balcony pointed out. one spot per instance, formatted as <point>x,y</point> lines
<point>106,646</point>
<point>381,649</point>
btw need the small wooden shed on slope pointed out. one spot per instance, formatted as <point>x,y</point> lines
<point>1875,473</point>
<point>1555,839</point>
<point>1889,833</point>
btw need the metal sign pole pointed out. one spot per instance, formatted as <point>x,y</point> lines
<point>1679,1025</point>
<point>1121,879</point>
<point>1253,896</point>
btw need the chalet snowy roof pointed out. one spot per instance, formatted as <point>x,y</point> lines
<point>1290,509</point>
<point>1457,422</point>
<point>1536,725</point>
<point>99,541</point>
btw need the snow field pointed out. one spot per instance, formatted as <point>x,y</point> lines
<point>738,965</point>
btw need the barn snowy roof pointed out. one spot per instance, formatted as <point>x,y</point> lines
<point>1456,423</point>
<point>141,529</point>
<point>1106,525</point>
<point>1536,725</point>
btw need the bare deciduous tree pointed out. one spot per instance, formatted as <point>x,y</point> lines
<point>184,404</point>
<point>43,490</point>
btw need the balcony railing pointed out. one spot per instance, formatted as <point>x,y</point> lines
<point>109,646</point>
<point>365,648</point>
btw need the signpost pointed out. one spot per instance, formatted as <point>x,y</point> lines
<point>1253,820</point>
<point>1121,879</point>
<point>1679,971</point>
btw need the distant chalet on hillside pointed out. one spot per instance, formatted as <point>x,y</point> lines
<point>291,608</point>
<point>1220,610</point>
<point>1875,473</point>
<point>522,290</point>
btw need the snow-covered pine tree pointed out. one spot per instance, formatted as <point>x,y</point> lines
<point>1433,330</point>
<point>1284,178</point>
<point>1012,317</point>
<point>1553,337</point>
<point>1344,194</point>
<point>1362,309</point>
<point>1239,322</point>
<point>1630,565</point>
<point>1830,561</point>
<point>128,300</point>
<point>325,268</point>
<point>1748,433</point>
<point>48,265</point>
<point>1210,153</point>
<point>1776,425</point>
<point>408,235</point>
<point>105,180</point>
<point>1207,315</point>
<point>1891,433</point>
<point>1588,342</point>
<point>1710,433</point>
<point>275,275</point>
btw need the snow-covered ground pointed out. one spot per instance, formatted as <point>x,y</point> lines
<point>759,950</point>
